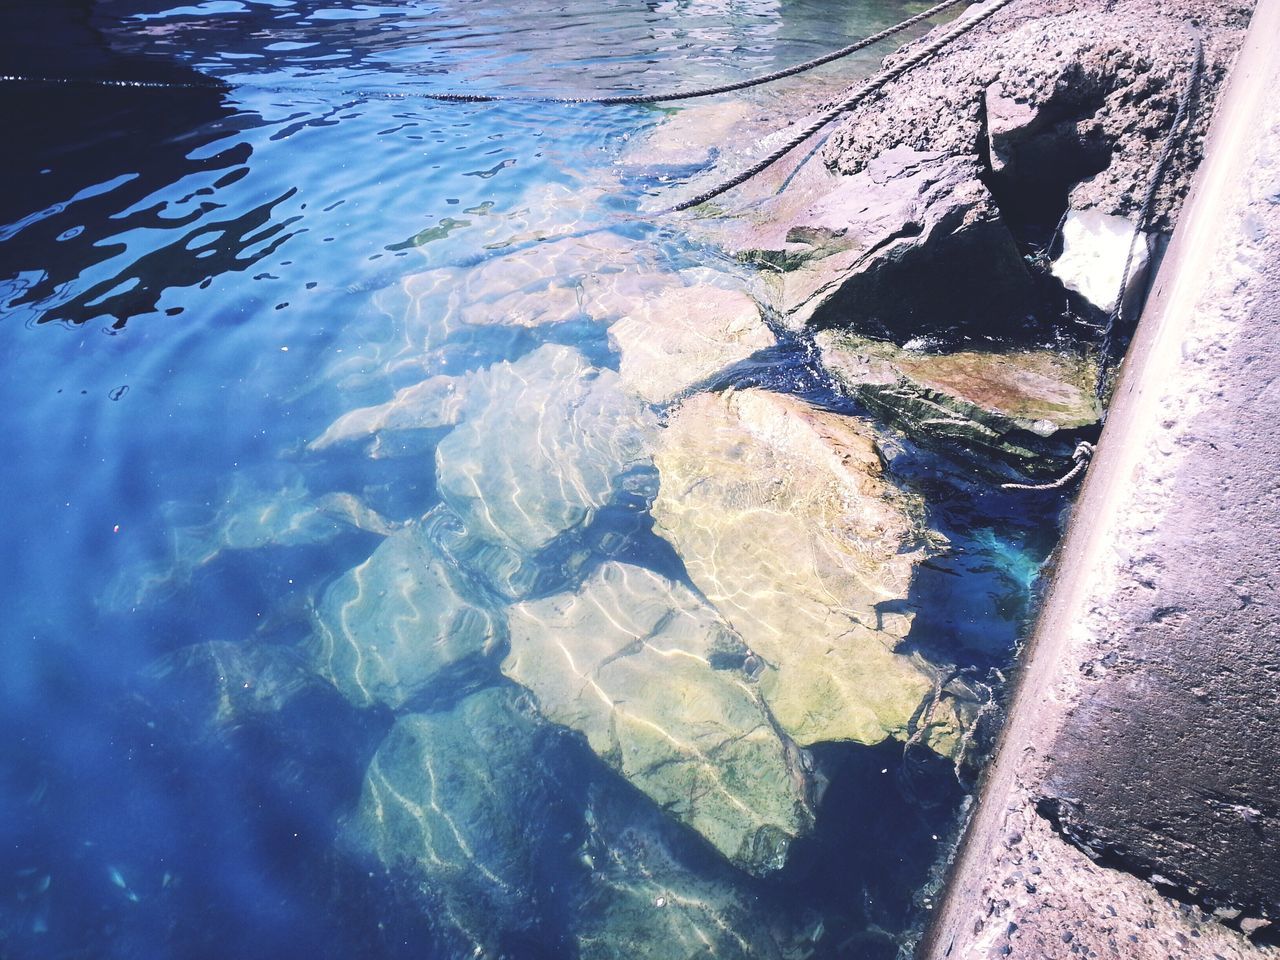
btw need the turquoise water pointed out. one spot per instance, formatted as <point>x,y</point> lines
<point>194,286</point>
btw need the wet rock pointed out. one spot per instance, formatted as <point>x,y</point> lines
<point>224,685</point>
<point>684,333</point>
<point>912,241</point>
<point>1023,408</point>
<point>401,622</point>
<point>689,137</point>
<point>787,525</point>
<point>576,278</point>
<point>447,802</point>
<point>663,691</point>
<point>1059,97</point>
<point>249,517</point>
<point>1095,249</point>
<point>434,402</point>
<point>646,898</point>
<point>549,442</point>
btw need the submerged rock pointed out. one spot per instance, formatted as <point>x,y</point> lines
<point>249,517</point>
<point>664,693</point>
<point>392,628</point>
<point>435,402</point>
<point>455,801</point>
<point>787,525</point>
<point>224,685</point>
<point>583,278</point>
<point>690,136</point>
<point>548,442</point>
<point>1024,408</point>
<point>647,898</point>
<point>682,334</point>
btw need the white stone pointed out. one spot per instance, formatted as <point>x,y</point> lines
<point>1095,246</point>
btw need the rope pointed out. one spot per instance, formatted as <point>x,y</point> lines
<point>624,100</point>
<point>873,85</point>
<point>1082,455</point>
<point>1145,210</point>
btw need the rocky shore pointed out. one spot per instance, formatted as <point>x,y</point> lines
<point>699,588</point>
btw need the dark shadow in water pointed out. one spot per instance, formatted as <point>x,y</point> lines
<point>110,147</point>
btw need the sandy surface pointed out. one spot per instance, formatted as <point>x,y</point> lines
<point>1194,410</point>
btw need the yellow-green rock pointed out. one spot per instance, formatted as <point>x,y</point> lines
<point>664,692</point>
<point>787,525</point>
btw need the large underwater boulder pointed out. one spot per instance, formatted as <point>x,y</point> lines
<point>787,525</point>
<point>457,801</point>
<point>435,402</point>
<point>550,441</point>
<point>649,896</point>
<point>392,628</point>
<point>685,332</point>
<point>1020,407</point>
<point>664,692</point>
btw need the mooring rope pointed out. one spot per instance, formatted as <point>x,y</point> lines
<point>866,89</point>
<point>447,97</point>
<point>1180,120</point>
<point>1082,455</point>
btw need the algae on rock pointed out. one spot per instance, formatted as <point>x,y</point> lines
<point>786,524</point>
<point>1021,407</point>
<point>663,691</point>
<point>390,629</point>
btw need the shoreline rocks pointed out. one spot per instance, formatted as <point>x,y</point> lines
<point>786,524</point>
<point>664,692</point>
<point>682,334</point>
<point>1023,408</point>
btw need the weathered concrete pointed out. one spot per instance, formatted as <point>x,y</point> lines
<point>1144,722</point>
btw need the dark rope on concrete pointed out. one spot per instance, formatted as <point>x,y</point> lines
<point>622,100</point>
<point>1180,125</point>
<point>862,92</point>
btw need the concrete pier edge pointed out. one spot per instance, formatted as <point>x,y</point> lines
<point>1214,289</point>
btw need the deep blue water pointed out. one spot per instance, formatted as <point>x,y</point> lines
<point>184,275</point>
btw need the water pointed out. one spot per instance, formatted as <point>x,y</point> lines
<point>193,288</point>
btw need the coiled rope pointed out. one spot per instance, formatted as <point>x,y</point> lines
<point>1179,126</point>
<point>862,92</point>
<point>621,100</point>
<point>1082,455</point>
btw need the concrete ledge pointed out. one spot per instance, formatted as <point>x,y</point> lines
<point>1140,759</point>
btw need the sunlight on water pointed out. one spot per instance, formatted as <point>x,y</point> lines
<point>413,549</point>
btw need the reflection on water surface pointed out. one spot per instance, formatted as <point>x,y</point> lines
<point>390,570</point>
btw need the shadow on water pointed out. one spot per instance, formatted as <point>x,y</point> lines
<point>89,152</point>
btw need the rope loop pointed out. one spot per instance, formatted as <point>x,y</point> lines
<point>1082,454</point>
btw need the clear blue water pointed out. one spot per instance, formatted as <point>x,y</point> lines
<point>193,285</point>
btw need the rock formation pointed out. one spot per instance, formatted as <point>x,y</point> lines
<point>1023,408</point>
<point>400,622</point>
<point>786,524</point>
<point>550,441</point>
<point>446,801</point>
<point>664,692</point>
<point>683,333</point>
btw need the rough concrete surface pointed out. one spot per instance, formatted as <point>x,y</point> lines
<point>1140,761</point>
